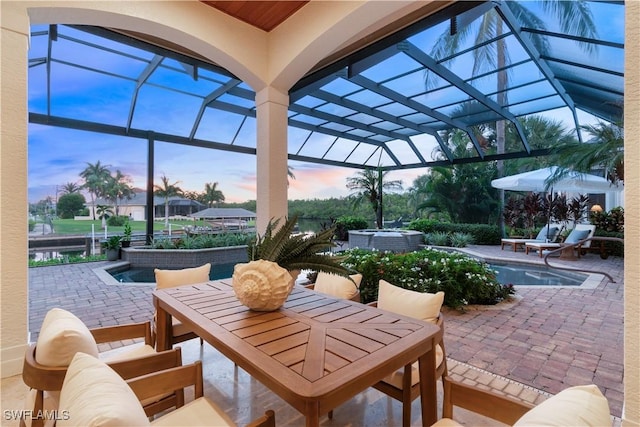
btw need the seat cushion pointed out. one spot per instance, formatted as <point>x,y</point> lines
<point>577,235</point>
<point>543,235</point>
<point>338,286</point>
<point>95,395</point>
<point>125,353</point>
<point>395,379</point>
<point>61,336</point>
<point>200,412</point>
<point>186,276</point>
<point>419,305</point>
<point>575,406</point>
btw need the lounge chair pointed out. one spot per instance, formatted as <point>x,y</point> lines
<point>542,237</point>
<point>579,233</point>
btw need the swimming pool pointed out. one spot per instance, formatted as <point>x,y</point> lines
<point>146,275</point>
<point>534,275</point>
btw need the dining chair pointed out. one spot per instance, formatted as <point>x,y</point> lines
<point>63,334</point>
<point>404,384</point>
<point>173,278</point>
<point>582,405</point>
<point>337,286</point>
<point>94,394</point>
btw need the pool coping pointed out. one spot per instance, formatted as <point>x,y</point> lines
<point>108,279</point>
<point>592,281</point>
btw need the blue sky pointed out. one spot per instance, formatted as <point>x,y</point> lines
<point>58,155</point>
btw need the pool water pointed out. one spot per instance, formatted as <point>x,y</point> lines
<point>533,275</point>
<point>146,275</point>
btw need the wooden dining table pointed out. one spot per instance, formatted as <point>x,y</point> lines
<point>316,352</point>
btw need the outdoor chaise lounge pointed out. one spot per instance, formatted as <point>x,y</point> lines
<point>542,237</point>
<point>580,232</point>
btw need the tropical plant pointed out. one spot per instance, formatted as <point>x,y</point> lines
<point>368,185</point>
<point>95,178</point>
<point>166,190</point>
<point>118,187</point>
<point>212,195</point>
<point>71,188</point>
<point>126,237</point>
<point>605,152</point>
<point>297,251</point>
<point>112,242</point>
<point>464,280</point>
<point>492,56</point>
<point>104,212</point>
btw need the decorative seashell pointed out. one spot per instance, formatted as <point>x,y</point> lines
<point>262,285</point>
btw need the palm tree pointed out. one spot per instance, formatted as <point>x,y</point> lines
<point>95,177</point>
<point>212,194</point>
<point>70,188</point>
<point>118,187</point>
<point>368,185</point>
<point>104,212</point>
<point>604,151</point>
<point>574,17</point>
<point>290,174</point>
<point>166,190</point>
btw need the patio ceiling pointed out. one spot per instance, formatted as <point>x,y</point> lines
<point>390,104</point>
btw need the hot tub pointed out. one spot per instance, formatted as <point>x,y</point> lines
<point>391,240</point>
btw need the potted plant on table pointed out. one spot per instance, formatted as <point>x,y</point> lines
<point>126,238</point>
<point>112,247</point>
<point>276,258</point>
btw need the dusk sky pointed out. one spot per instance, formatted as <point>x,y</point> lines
<point>57,155</point>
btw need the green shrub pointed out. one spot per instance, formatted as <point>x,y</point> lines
<point>464,280</point>
<point>612,248</point>
<point>460,240</point>
<point>483,234</point>
<point>204,241</point>
<point>346,223</point>
<point>117,221</point>
<point>437,238</point>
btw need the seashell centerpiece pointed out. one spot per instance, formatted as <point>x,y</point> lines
<point>262,285</point>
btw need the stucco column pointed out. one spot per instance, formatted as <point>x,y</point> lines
<point>631,410</point>
<point>13,188</point>
<point>272,106</point>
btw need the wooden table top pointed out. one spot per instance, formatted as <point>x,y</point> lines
<point>314,350</point>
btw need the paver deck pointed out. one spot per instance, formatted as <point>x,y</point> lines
<point>545,340</point>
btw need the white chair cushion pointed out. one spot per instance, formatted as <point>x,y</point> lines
<point>200,412</point>
<point>126,353</point>
<point>446,422</point>
<point>186,276</point>
<point>395,379</point>
<point>62,335</point>
<point>337,286</point>
<point>575,406</point>
<point>95,395</point>
<point>419,305</point>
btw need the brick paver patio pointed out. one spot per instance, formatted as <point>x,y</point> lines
<point>547,339</point>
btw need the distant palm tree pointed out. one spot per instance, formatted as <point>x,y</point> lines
<point>104,212</point>
<point>212,194</point>
<point>95,178</point>
<point>166,190</point>
<point>118,187</point>
<point>70,188</point>
<point>368,185</point>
